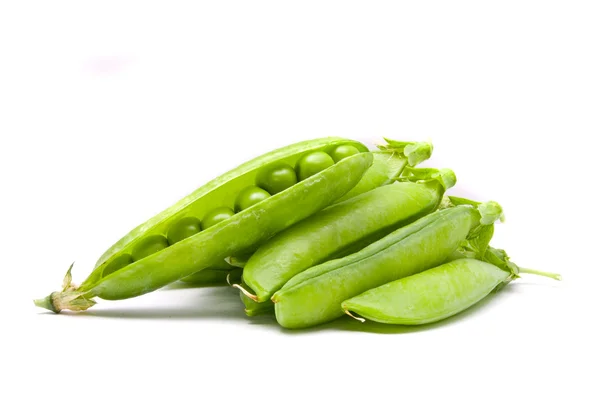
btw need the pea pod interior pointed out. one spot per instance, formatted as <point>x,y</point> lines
<point>220,192</point>
<point>240,232</point>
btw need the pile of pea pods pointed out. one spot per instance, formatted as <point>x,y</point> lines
<point>312,232</point>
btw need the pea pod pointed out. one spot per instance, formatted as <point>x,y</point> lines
<point>331,231</point>
<point>435,294</point>
<point>315,296</point>
<point>236,234</point>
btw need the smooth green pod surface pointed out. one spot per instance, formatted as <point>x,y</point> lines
<point>372,215</point>
<point>315,296</point>
<point>429,296</point>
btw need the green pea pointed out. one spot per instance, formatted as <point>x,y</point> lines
<point>148,246</point>
<point>343,151</point>
<point>116,264</point>
<point>182,229</point>
<point>276,178</point>
<point>250,196</point>
<point>216,216</point>
<point>313,163</point>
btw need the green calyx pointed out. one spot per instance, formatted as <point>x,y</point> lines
<point>444,176</point>
<point>490,211</point>
<point>415,152</point>
<point>485,215</point>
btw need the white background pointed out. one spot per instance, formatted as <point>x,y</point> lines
<point>111,112</point>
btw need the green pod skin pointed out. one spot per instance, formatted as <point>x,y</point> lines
<point>372,215</point>
<point>314,296</point>
<point>240,233</point>
<point>430,296</point>
<point>213,277</point>
<point>219,193</point>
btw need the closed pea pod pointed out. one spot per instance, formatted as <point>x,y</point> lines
<point>315,296</point>
<point>329,233</point>
<point>156,268</point>
<point>433,295</point>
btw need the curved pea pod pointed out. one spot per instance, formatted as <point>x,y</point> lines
<point>435,294</point>
<point>429,296</point>
<point>332,231</point>
<point>236,234</point>
<point>315,296</point>
<point>213,277</point>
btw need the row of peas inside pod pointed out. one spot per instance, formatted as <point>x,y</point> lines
<point>234,213</point>
<point>270,180</point>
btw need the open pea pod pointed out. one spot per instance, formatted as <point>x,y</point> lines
<point>231,214</point>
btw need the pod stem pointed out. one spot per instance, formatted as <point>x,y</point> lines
<point>246,292</point>
<point>68,298</point>
<point>72,300</point>
<point>360,319</point>
<point>554,276</point>
<point>444,176</point>
<point>228,281</point>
